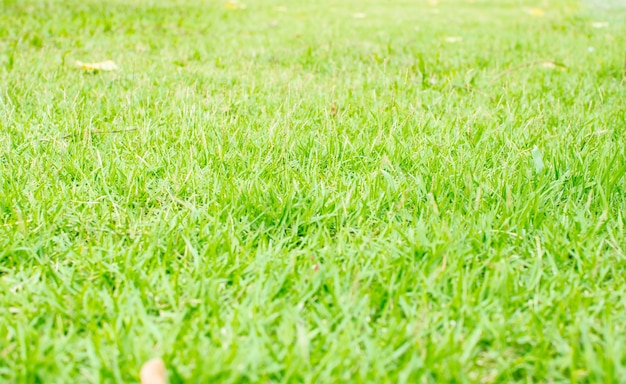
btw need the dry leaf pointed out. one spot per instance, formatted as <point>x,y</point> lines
<point>333,109</point>
<point>107,65</point>
<point>234,5</point>
<point>153,372</point>
<point>535,11</point>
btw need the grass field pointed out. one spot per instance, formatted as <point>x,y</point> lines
<point>313,191</point>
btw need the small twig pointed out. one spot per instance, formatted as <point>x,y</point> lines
<point>525,65</point>
<point>55,140</point>
<point>469,89</point>
<point>115,131</point>
<point>102,132</point>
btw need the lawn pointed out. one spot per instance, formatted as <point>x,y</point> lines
<point>325,191</point>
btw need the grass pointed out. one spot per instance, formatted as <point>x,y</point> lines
<point>329,191</point>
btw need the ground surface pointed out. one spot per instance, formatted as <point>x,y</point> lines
<point>328,191</point>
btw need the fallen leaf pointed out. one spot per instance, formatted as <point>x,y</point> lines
<point>153,372</point>
<point>107,65</point>
<point>599,24</point>
<point>333,109</point>
<point>535,11</point>
<point>543,64</point>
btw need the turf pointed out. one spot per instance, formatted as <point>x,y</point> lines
<point>330,191</point>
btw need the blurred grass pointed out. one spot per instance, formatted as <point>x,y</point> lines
<point>299,194</point>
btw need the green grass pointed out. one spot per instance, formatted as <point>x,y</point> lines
<point>290,193</point>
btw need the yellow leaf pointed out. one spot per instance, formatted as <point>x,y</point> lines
<point>107,65</point>
<point>153,372</point>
